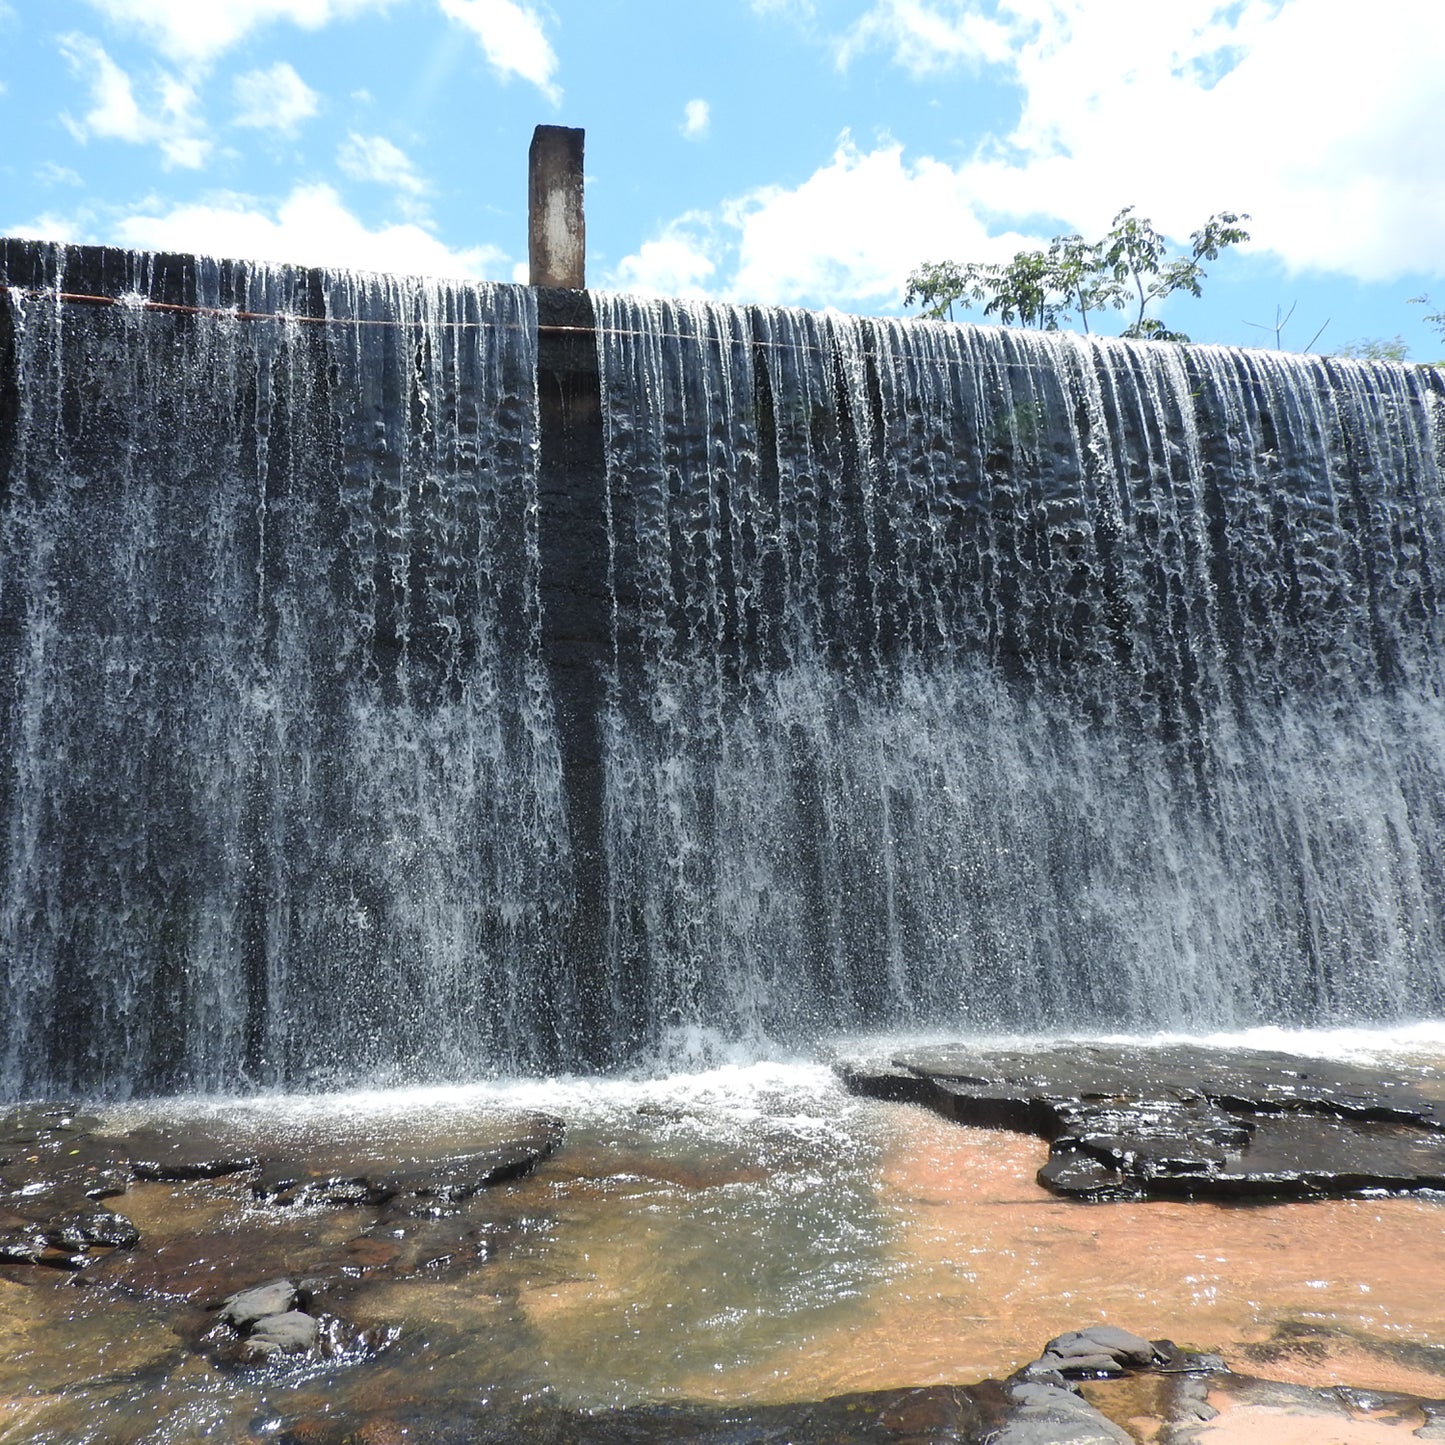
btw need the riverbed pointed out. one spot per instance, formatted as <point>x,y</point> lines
<point>747,1235</point>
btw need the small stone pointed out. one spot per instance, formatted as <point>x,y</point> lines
<point>257,1352</point>
<point>1045,1371</point>
<point>1125,1347</point>
<point>292,1333</point>
<point>1081,1176</point>
<point>247,1306</point>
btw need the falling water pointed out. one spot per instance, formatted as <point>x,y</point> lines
<point>281,797</point>
<point>947,678</point>
<point>981,678</point>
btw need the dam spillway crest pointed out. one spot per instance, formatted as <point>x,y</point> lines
<point>406,679</point>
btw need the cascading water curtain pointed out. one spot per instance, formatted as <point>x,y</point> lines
<point>1004,681</point>
<point>281,796</point>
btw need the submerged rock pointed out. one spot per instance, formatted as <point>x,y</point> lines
<point>1029,1408</point>
<point>81,1228</point>
<point>247,1306</point>
<point>292,1333</point>
<point>53,1169</point>
<point>176,1152</point>
<point>1132,1122</point>
<point>503,1148</point>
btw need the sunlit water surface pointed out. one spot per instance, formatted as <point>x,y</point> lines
<point>747,1232</point>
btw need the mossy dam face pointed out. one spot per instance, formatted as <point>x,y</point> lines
<point>407,680</point>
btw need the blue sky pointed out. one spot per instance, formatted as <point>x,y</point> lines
<point>802,152</point>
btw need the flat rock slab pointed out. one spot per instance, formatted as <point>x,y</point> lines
<point>1242,1410</point>
<point>401,1173</point>
<point>56,1164</point>
<point>179,1152</point>
<point>1184,1121</point>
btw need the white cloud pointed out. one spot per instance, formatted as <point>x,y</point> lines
<point>696,119</point>
<point>855,228</point>
<point>116,114</point>
<point>77,228</point>
<point>848,235</point>
<point>50,174</point>
<point>273,99</point>
<point>512,38</point>
<point>311,227</point>
<point>677,263</point>
<point>199,30</point>
<point>374,158</point>
<point>924,37</point>
<point>1323,129</point>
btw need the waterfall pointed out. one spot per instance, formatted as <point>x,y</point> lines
<point>914,676</point>
<point>985,679</point>
<point>281,799</point>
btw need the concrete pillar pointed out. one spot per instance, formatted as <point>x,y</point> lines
<point>556,227</point>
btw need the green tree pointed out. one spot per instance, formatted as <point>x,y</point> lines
<point>1435,319</point>
<point>1131,267</point>
<point>1078,272</point>
<point>1023,290</point>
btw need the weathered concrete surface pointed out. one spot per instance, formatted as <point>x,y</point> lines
<point>1133,1122</point>
<point>557,229</point>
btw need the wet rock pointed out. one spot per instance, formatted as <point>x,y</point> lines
<point>1259,1409</point>
<point>1102,1340</point>
<point>286,1319</point>
<point>332,1174</point>
<point>28,1123</point>
<point>244,1308</point>
<point>174,1152</point>
<point>291,1333</point>
<point>369,1252</point>
<point>64,1167</point>
<point>81,1228</point>
<point>1189,1404</point>
<point>23,1242</point>
<point>1132,1122</point>
<point>52,1170</point>
<point>402,1246</point>
<point>1045,1414</point>
<point>1169,1359</point>
<point>1042,1403</point>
